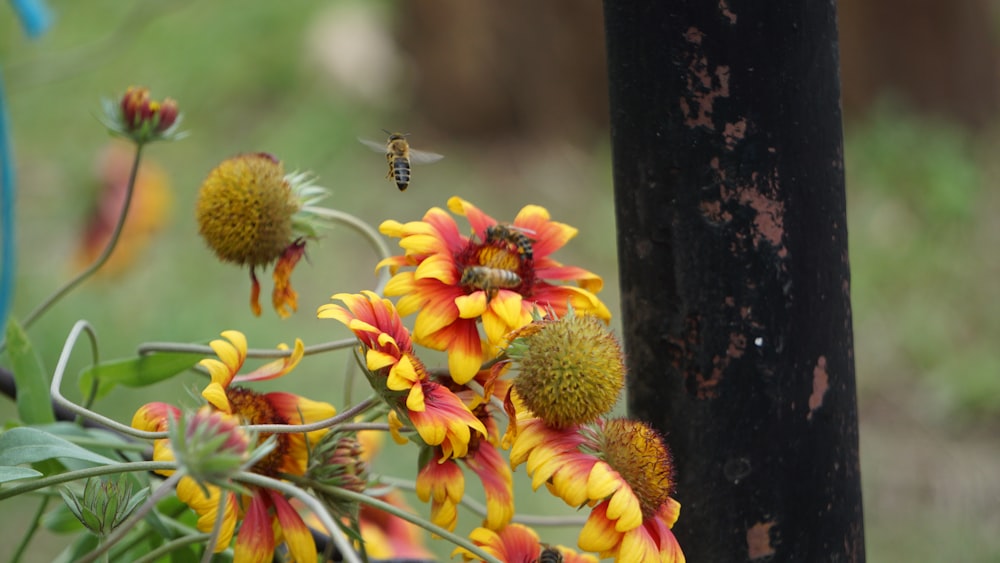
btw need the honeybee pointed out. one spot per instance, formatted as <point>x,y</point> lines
<point>400,156</point>
<point>550,555</point>
<point>489,279</point>
<point>518,236</point>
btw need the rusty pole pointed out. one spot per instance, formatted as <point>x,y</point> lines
<point>729,197</point>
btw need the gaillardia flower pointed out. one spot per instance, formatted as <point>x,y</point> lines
<point>517,543</point>
<point>395,372</point>
<point>622,469</point>
<point>500,275</point>
<point>251,213</point>
<point>267,516</point>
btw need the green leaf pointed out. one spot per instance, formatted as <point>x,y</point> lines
<point>135,372</point>
<point>33,403</point>
<point>17,473</point>
<point>61,519</point>
<point>29,445</point>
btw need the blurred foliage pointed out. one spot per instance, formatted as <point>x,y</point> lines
<point>921,210</point>
<point>923,261</point>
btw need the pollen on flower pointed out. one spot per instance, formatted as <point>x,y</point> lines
<point>571,369</point>
<point>245,209</point>
<point>638,454</point>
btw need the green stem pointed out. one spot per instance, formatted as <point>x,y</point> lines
<point>30,533</point>
<point>395,511</point>
<point>184,348</point>
<point>115,235</point>
<point>172,546</point>
<point>84,474</point>
<point>366,230</point>
<point>165,488</point>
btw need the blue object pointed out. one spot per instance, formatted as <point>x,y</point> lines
<point>7,248</point>
<point>35,16</point>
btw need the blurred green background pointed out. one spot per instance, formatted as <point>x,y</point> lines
<point>303,79</point>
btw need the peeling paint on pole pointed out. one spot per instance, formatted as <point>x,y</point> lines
<point>729,195</point>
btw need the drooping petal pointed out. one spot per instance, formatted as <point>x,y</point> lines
<point>255,542</point>
<point>497,481</point>
<point>276,368</point>
<point>296,534</point>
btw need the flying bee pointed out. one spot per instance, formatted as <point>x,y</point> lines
<point>550,555</point>
<point>489,279</point>
<point>400,156</point>
<point>518,236</point>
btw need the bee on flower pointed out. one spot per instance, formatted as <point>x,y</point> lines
<point>454,282</point>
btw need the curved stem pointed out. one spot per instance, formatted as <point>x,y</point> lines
<point>31,531</point>
<point>172,545</point>
<point>366,230</point>
<point>113,538</point>
<point>61,478</point>
<point>184,348</point>
<point>112,242</point>
<point>343,545</point>
<point>395,511</point>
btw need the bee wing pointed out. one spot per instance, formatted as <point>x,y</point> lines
<point>424,157</point>
<point>373,145</point>
<point>523,230</point>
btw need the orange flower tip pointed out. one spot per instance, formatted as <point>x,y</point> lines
<point>571,370</point>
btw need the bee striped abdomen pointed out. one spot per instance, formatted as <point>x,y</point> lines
<point>401,172</point>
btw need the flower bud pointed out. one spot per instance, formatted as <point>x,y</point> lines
<point>106,503</point>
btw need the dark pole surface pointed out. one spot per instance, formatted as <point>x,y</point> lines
<point>730,206</point>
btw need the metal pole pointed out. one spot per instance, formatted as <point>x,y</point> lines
<point>729,197</point>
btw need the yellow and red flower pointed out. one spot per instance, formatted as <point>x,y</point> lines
<point>395,372</point>
<point>517,543</point>
<point>457,280</point>
<point>442,482</point>
<point>267,516</point>
<point>622,469</point>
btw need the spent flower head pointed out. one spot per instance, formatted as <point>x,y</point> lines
<point>138,117</point>
<point>251,213</point>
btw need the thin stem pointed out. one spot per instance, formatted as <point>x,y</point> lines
<point>366,230</point>
<point>21,547</point>
<point>343,545</point>
<point>161,492</point>
<point>174,545</point>
<point>184,348</point>
<point>61,478</point>
<point>395,511</point>
<point>112,242</point>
